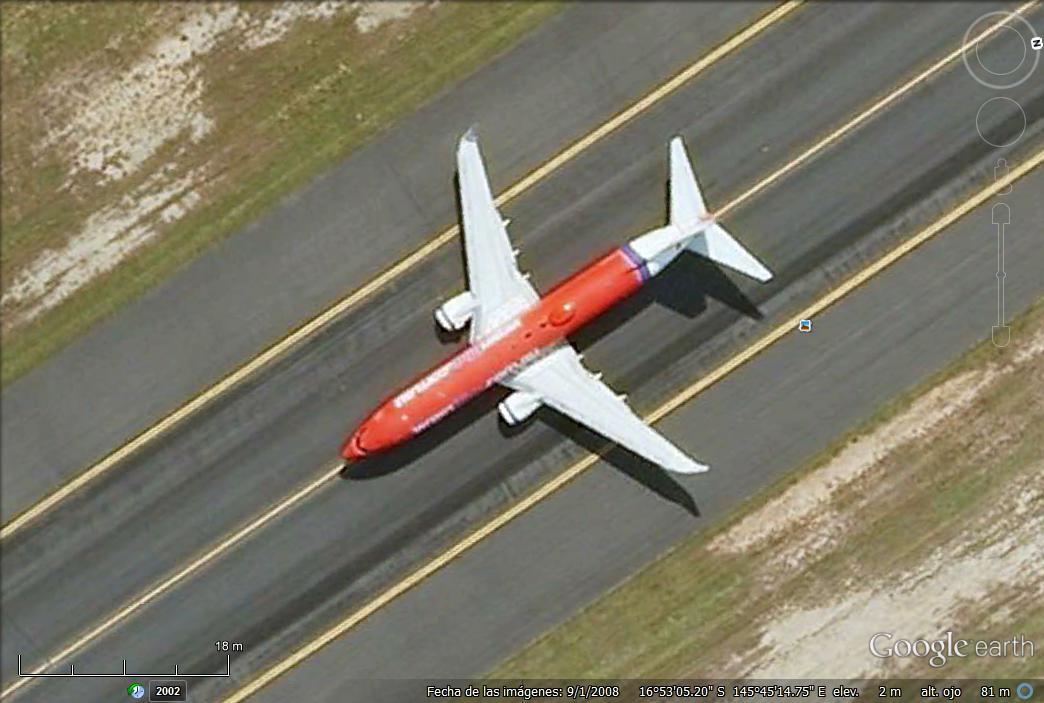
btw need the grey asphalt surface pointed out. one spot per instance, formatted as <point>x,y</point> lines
<point>740,120</point>
<point>326,241</point>
<point>785,406</point>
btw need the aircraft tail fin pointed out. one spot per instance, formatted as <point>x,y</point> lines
<point>686,201</point>
<point>689,212</point>
<point>692,227</point>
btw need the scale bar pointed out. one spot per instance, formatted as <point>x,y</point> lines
<point>73,674</point>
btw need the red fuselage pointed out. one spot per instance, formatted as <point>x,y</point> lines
<point>566,308</point>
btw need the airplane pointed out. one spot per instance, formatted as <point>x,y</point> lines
<point>518,339</point>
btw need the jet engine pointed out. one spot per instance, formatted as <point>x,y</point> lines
<point>456,312</point>
<point>518,406</point>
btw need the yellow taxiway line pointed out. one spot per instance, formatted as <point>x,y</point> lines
<point>399,269</point>
<point>329,473</point>
<point>552,486</point>
<point>882,104</point>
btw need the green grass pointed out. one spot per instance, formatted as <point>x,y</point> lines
<point>693,608</point>
<point>283,114</point>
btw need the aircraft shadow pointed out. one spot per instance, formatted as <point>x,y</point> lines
<point>638,469</point>
<point>684,287</point>
<point>649,475</point>
<point>447,336</point>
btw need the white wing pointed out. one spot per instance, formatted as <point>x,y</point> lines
<point>561,381</point>
<point>493,277</point>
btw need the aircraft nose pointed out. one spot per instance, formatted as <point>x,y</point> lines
<point>352,449</point>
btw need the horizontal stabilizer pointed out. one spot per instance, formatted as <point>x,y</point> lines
<point>718,245</point>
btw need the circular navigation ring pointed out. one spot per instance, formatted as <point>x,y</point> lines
<point>1000,62</point>
<point>1005,36</point>
<point>1000,121</point>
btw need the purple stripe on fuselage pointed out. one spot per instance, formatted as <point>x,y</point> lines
<point>637,261</point>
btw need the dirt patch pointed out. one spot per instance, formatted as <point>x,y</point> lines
<point>374,14</point>
<point>108,236</point>
<point>281,19</point>
<point>924,602</point>
<point>145,125</point>
<point>112,124</point>
<point>995,555</point>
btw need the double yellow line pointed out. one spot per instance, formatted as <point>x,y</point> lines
<point>669,406</point>
<point>396,271</point>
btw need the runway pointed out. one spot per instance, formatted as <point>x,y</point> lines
<point>740,119</point>
<point>799,395</point>
<point>338,233</point>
